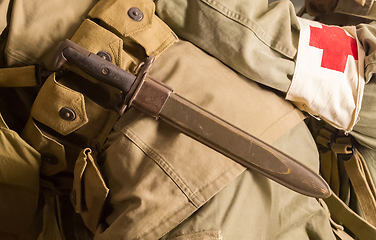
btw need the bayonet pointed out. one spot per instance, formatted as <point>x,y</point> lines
<point>160,102</point>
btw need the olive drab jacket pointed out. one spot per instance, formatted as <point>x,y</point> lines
<point>73,168</point>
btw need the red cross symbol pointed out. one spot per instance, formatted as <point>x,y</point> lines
<point>336,46</point>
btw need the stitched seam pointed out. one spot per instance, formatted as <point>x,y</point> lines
<point>200,237</point>
<point>165,218</point>
<point>259,33</point>
<point>152,154</point>
<point>17,56</point>
<point>116,51</point>
<point>191,195</point>
<point>164,165</point>
<point>208,234</point>
<point>164,45</point>
<point>209,181</point>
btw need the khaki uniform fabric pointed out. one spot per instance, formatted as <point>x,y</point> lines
<point>134,177</point>
<point>194,172</point>
<point>19,181</point>
<point>242,29</point>
<point>245,36</point>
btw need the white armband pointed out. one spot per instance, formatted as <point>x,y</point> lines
<point>329,74</point>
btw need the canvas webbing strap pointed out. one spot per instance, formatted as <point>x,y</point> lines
<point>357,225</point>
<point>338,229</point>
<point>364,188</point>
<point>329,170</point>
<point>18,77</point>
<point>359,175</point>
<point>342,150</point>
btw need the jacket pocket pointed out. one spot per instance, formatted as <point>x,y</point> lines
<point>89,190</point>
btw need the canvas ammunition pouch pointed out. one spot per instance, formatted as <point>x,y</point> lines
<point>71,117</point>
<point>76,124</point>
<point>83,106</point>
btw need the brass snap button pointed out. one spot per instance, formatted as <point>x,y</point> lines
<point>67,114</point>
<point>49,158</point>
<point>105,55</point>
<point>135,14</point>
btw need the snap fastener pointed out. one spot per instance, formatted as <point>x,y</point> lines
<point>49,158</point>
<point>67,114</point>
<point>105,55</point>
<point>135,14</point>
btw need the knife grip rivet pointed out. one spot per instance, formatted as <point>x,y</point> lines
<point>105,71</point>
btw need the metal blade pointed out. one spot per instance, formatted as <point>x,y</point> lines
<point>156,99</point>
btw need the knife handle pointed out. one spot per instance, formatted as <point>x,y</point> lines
<point>94,65</point>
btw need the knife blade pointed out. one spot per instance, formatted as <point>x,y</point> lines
<point>158,100</point>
